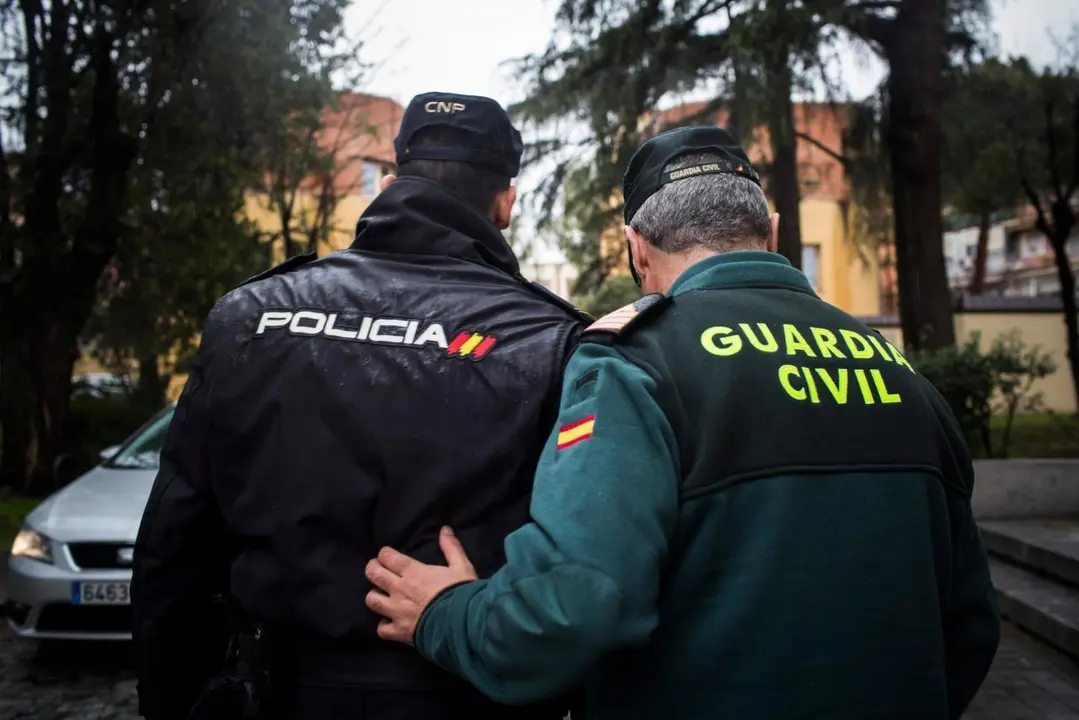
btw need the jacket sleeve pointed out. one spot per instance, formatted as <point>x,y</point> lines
<point>180,560</point>
<point>971,619</point>
<point>583,577</point>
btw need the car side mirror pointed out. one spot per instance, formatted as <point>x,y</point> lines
<point>109,452</point>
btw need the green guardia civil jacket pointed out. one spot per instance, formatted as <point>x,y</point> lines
<point>752,507</point>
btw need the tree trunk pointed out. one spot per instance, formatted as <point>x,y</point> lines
<point>737,121</point>
<point>289,245</point>
<point>783,181</point>
<point>1064,222</point>
<point>36,356</point>
<point>784,177</point>
<point>916,62</point>
<point>43,313</point>
<point>981,255</point>
<point>152,386</point>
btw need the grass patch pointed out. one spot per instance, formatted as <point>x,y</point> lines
<point>13,510</point>
<point>1040,435</point>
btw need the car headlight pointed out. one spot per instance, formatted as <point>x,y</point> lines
<point>32,544</point>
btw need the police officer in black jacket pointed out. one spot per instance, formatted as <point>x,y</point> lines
<point>341,404</point>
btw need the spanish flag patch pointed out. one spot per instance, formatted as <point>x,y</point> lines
<point>576,432</point>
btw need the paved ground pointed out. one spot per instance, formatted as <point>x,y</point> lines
<point>65,682</point>
<point>71,682</point>
<point>1028,681</point>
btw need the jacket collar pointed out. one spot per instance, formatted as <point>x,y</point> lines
<point>413,216</point>
<point>741,268</point>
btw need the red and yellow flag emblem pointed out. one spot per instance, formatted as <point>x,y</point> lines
<point>576,432</point>
<point>471,344</point>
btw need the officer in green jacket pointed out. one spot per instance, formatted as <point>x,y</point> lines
<point>752,505</point>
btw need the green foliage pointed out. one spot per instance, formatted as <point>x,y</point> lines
<point>13,510</point>
<point>93,424</point>
<point>309,152</point>
<point>998,117</point>
<point>130,132</point>
<point>980,386</point>
<point>983,105</point>
<point>181,253</point>
<point>234,127</point>
<point>1039,435</point>
<point>593,94</point>
<point>1017,137</point>
<point>614,293</point>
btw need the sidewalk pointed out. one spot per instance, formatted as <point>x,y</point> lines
<point>1028,681</point>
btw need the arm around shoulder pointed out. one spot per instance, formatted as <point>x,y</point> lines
<point>584,577</point>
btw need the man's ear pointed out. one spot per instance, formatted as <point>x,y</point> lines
<point>641,258</point>
<point>386,180</point>
<point>773,241</point>
<point>503,209</point>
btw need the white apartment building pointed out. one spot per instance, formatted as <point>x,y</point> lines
<point>549,267</point>
<point>1019,260</point>
<point>960,248</point>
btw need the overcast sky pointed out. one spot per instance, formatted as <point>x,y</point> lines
<point>459,46</point>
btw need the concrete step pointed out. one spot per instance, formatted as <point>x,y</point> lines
<point>1047,547</point>
<point>1039,605</point>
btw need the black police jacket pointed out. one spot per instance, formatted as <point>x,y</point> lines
<point>338,405</point>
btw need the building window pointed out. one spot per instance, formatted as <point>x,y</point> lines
<point>372,175</point>
<point>1033,246</point>
<point>811,265</point>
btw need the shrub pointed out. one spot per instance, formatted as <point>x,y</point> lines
<point>93,424</point>
<point>978,385</point>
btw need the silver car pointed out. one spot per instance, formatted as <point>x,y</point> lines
<point>69,574</point>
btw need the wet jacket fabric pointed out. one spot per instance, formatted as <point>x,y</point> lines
<point>338,405</point>
<point>752,506</point>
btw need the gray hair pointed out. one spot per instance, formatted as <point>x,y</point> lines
<point>720,212</point>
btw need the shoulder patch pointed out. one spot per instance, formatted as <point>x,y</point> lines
<point>622,320</point>
<point>288,266</point>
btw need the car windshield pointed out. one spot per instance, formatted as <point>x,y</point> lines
<point>143,450</point>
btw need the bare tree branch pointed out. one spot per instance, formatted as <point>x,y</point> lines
<point>7,230</point>
<point>860,21</point>
<point>824,148</point>
<point>1042,222</point>
<point>875,5</point>
<point>1051,143</point>
<point>32,13</point>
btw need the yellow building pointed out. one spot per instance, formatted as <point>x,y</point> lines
<point>1036,321</point>
<point>359,134</point>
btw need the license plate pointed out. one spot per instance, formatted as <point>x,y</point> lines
<point>106,593</point>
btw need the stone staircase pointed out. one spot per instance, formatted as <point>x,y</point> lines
<point>1035,569</point>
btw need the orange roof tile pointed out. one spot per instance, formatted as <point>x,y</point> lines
<point>361,128</point>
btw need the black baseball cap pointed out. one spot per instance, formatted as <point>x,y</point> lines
<point>644,175</point>
<point>486,135</point>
